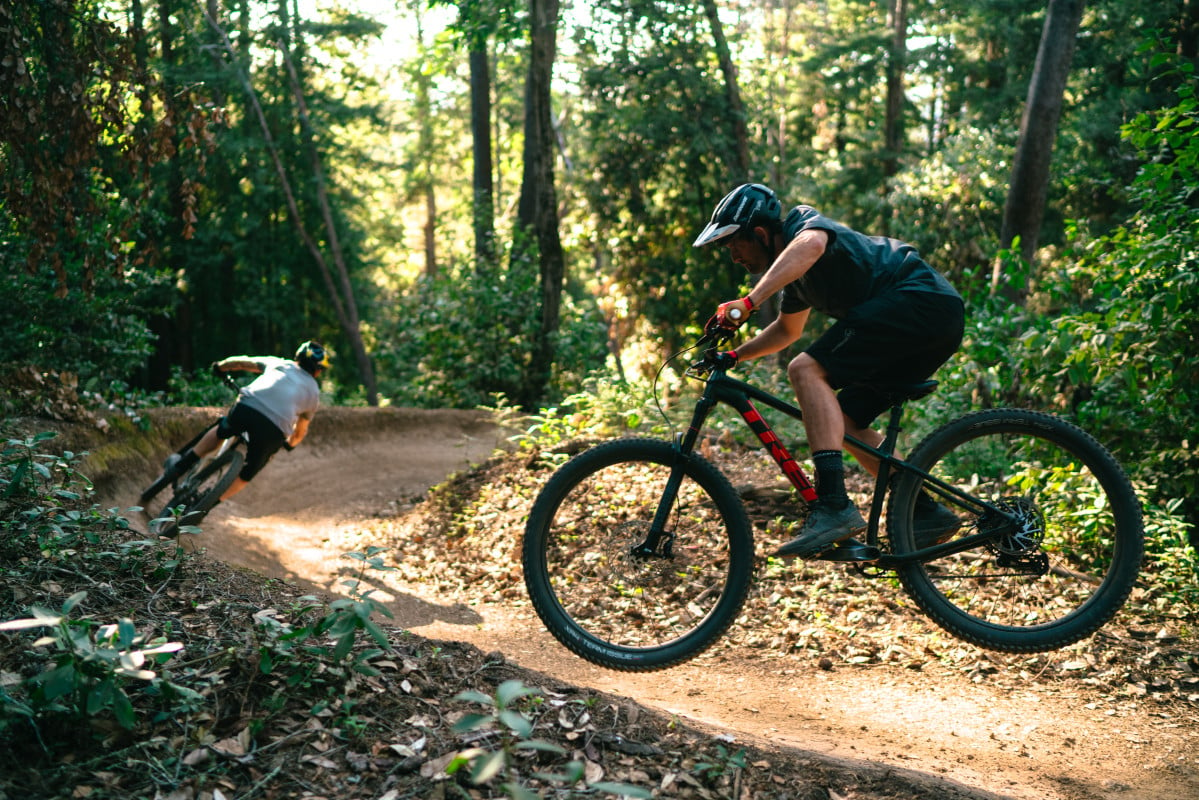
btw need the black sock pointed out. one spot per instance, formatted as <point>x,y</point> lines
<point>830,478</point>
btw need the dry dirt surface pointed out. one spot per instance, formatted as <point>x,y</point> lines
<point>1013,737</point>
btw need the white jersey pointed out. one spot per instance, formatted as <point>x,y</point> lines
<point>283,393</point>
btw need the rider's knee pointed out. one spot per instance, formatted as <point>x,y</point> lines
<point>804,370</point>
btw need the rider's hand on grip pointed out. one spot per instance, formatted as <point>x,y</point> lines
<point>726,360</point>
<point>733,313</point>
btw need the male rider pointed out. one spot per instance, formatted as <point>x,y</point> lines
<point>896,320</point>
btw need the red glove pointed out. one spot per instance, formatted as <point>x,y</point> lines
<point>726,360</point>
<point>734,312</point>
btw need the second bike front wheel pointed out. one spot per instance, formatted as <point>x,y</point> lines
<point>200,491</point>
<point>607,603</point>
<point>1066,545</point>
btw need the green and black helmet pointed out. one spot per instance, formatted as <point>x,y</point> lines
<point>748,206</point>
<point>312,356</point>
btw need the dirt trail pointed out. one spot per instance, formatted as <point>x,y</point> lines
<point>297,519</point>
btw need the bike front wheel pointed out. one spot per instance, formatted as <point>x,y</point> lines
<point>1063,551</point>
<point>620,607</point>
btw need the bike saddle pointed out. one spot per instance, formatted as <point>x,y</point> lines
<point>903,392</point>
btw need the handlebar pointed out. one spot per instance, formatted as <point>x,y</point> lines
<point>715,336</point>
<point>229,381</point>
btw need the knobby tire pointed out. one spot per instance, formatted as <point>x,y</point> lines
<point>199,493</point>
<point>614,608</point>
<point>1057,576</point>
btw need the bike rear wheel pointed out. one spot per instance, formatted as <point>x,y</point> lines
<point>202,488</point>
<point>618,609</point>
<point>1053,577</point>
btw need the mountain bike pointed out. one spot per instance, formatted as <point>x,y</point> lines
<point>197,491</point>
<point>638,553</point>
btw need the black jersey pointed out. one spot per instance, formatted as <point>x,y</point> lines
<point>854,268</point>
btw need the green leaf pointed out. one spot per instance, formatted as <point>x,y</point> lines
<point>344,645</point>
<point>622,789</point>
<point>58,681</point>
<point>516,722</point>
<point>511,690</point>
<point>472,696</point>
<point>518,792</point>
<point>470,722</point>
<point>73,601</point>
<point>487,767</point>
<point>123,710</point>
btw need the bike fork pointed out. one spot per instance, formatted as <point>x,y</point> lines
<point>659,541</point>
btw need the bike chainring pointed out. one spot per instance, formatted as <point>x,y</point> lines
<point>1023,531</point>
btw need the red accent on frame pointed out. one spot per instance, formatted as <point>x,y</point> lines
<point>786,462</point>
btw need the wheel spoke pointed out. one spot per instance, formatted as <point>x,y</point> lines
<point>1064,551</point>
<point>595,589</point>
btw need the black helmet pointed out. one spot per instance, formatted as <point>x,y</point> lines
<point>744,208</point>
<point>312,356</point>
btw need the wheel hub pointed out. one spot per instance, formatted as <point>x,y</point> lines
<point>1023,531</point>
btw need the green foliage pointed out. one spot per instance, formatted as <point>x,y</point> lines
<point>1127,310</point>
<point>514,730</point>
<point>460,339</point>
<point>724,762</point>
<point>91,669</point>
<point>289,649</point>
<point>654,165</point>
<point>99,334</point>
<point>40,498</point>
<point>605,408</point>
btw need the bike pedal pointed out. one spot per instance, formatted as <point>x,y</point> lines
<point>851,550</point>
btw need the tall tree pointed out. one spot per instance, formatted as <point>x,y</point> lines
<point>425,185</point>
<point>482,177</point>
<point>479,24</point>
<point>336,277</point>
<point>736,111</point>
<point>537,212</point>
<point>1025,206</point>
<point>893,125</point>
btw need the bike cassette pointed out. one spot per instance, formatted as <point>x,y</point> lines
<point>1019,544</point>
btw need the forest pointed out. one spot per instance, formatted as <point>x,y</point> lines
<point>486,209</point>
<point>486,203</point>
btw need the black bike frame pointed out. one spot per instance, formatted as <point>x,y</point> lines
<point>720,388</point>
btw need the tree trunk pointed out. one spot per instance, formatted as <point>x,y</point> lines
<point>480,126</point>
<point>339,292</point>
<point>1025,206</point>
<point>896,64</point>
<point>538,208</point>
<point>732,93</point>
<point>425,147</point>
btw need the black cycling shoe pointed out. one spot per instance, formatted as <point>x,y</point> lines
<point>934,525</point>
<point>170,473</point>
<point>823,528</point>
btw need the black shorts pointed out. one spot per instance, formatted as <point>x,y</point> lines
<point>898,338</point>
<point>265,437</point>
